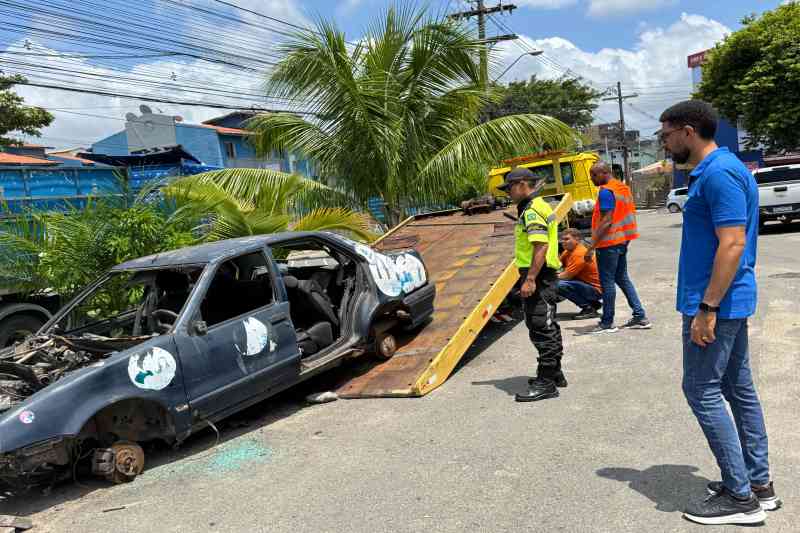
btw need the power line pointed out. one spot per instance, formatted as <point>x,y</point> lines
<point>200,48</point>
<point>211,105</point>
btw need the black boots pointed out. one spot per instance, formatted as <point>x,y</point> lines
<point>539,389</point>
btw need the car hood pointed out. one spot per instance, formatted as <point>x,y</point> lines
<point>42,361</point>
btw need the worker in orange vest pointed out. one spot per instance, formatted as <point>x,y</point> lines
<point>613,228</point>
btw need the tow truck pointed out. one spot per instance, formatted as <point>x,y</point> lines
<point>564,173</point>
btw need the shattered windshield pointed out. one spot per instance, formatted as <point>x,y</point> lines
<point>126,309</point>
<point>130,304</point>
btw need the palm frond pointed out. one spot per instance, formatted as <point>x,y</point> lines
<point>231,225</point>
<point>260,188</point>
<point>483,144</point>
<point>338,220</point>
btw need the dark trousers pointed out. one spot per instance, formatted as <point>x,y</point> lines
<point>579,292</point>
<point>612,264</point>
<point>540,317</point>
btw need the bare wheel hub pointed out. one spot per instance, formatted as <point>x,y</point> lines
<point>129,461</point>
<point>387,346</point>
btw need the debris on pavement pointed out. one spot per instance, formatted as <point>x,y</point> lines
<point>322,397</point>
<point>11,524</point>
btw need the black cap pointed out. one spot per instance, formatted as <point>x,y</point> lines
<point>518,174</point>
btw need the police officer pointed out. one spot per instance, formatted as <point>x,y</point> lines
<point>536,235</point>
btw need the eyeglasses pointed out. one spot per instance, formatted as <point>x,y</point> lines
<point>664,135</point>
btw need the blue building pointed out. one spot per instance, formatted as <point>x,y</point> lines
<point>217,143</point>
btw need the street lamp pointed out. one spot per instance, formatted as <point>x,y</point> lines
<point>534,53</point>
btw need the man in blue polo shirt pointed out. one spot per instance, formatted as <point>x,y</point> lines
<point>716,295</point>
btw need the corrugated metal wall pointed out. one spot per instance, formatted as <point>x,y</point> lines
<point>53,188</point>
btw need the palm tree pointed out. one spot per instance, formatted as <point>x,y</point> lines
<point>395,115</point>
<point>246,201</point>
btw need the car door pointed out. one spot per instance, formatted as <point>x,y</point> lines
<point>241,343</point>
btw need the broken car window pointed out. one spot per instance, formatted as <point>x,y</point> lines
<point>240,286</point>
<point>132,304</point>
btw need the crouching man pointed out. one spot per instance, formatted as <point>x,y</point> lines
<point>579,282</point>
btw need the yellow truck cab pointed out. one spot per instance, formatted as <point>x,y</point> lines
<point>563,173</point>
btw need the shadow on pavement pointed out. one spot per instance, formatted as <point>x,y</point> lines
<point>582,330</point>
<point>779,228</point>
<point>488,336</point>
<point>670,487</point>
<point>510,386</point>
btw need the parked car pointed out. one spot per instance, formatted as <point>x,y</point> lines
<point>676,199</point>
<point>165,345</point>
<point>778,193</point>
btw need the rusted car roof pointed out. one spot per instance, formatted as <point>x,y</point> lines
<point>210,252</point>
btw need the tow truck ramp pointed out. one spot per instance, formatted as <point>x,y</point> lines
<point>469,260</point>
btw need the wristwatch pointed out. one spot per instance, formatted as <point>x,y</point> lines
<point>708,308</point>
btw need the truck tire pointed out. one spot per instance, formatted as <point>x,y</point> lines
<point>16,328</point>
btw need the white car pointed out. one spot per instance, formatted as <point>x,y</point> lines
<point>778,193</point>
<point>676,198</point>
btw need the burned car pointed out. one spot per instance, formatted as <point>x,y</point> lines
<point>165,345</point>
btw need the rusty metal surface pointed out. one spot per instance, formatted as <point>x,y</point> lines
<point>464,256</point>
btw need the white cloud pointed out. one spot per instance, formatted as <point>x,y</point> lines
<point>546,4</point>
<point>348,5</point>
<point>281,9</point>
<point>655,67</point>
<point>604,8</point>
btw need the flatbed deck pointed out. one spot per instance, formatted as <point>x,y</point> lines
<point>469,258</point>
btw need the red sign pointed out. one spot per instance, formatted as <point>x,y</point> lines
<point>695,60</point>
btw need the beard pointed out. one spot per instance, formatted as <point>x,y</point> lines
<point>681,157</point>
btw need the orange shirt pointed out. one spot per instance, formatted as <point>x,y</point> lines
<point>577,268</point>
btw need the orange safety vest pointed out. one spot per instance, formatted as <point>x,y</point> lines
<point>623,220</point>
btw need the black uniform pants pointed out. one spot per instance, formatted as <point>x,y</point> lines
<point>543,328</point>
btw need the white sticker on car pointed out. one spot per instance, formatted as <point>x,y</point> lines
<point>27,417</point>
<point>395,274</point>
<point>256,337</point>
<point>152,370</point>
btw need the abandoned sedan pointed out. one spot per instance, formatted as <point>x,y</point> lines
<point>165,345</point>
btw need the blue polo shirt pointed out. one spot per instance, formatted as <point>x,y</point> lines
<point>722,193</point>
<point>607,200</point>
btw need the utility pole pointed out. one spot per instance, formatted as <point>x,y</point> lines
<point>481,11</point>
<point>620,98</point>
<point>482,37</point>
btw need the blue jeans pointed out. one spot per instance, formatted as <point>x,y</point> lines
<point>612,264</point>
<point>722,369</point>
<point>579,292</point>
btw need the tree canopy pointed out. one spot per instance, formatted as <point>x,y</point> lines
<point>754,75</point>
<point>394,116</point>
<point>567,99</point>
<point>15,116</point>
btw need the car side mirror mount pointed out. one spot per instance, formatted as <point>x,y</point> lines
<point>200,327</point>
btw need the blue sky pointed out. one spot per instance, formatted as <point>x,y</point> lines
<point>642,43</point>
<point>613,24</point>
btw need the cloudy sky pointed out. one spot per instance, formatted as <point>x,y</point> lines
<point>218,51</point>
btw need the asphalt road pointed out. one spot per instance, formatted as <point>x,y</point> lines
<point>618,451</point>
